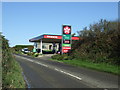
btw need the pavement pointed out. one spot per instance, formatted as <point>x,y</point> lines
<point>44,73</point>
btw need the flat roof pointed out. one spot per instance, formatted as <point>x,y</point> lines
<point>50,38</point>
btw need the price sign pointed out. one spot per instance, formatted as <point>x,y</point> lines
<point>66,39</point>
<point>65,36</point>
<point>66,45</point>
<point>65,50</point>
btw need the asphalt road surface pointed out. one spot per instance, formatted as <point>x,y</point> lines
<point>44,73</point>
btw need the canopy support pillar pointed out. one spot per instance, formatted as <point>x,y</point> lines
<point>41,46</point>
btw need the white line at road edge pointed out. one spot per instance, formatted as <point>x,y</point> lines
<point>51,68</point>
<point>32,61</point>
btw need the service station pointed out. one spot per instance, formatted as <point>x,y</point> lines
<point>49,42</point>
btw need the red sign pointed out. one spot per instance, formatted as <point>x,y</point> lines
<point>65,50</point>
<point>66,47</point>
<point>75,38</point>
<point>67,30</point>
<point>59,37</point>
<point>52,37</point>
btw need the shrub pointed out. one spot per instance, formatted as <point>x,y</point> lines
<point>62,57</point>
<point>11,70</point>
<point>100,43</point>
<point>30,53</point>
<point>36,54</point>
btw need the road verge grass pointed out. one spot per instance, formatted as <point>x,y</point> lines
<point>96,66</point>
<point>11,71</point>
<point>13,77</point>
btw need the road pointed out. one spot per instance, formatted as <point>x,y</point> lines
<point>44,73</point>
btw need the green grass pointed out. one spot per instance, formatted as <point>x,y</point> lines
<point>11,71</point>
<point>96,66</point>
<point>13,78</point>
<point>47,50</point>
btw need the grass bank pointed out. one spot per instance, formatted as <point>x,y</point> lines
<point>12,77</point>
<point>11,71</point>
<point>96,66</point>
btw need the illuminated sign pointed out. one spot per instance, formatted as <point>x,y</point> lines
<point>66,39</point>
<point>66,29</point>
<point>65,50</point>
<point>66,47</point>
<point>52,37</point>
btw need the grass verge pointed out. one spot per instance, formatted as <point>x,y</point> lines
<point>12,77</point>
<point>11,71</point>
<point>96,66</point>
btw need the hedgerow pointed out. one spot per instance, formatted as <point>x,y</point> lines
<point>11,70</point>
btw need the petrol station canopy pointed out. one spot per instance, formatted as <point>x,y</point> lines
<point>50,38</point>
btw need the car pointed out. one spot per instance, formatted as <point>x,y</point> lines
<point>25,50</point>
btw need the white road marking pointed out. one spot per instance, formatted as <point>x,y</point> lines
<point>33,61</point>
<point>25,58</point>
<point>52,68</point>
<point>68,74</point>
<point>41,64</point>
<point>25,78</point>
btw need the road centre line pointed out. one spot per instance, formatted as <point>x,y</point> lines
<point>51,68</point>
<point>68,74</point>
<point>41,64</point>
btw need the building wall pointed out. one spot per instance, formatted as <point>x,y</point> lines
<point>46,46</point>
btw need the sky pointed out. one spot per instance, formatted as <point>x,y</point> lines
<point>22,21</point>
<point>60,0</point>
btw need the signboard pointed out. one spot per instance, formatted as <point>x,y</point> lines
<point>66,29</point>
<point>66,38</point>
<point>52,36</point>
<point>66,45</point>
<point>65,50</point>
<point>66,41</point>
<point>75,38</point>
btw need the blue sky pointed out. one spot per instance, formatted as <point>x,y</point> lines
<point>22,21</point>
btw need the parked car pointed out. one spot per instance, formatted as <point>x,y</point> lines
<point>25,50</point>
